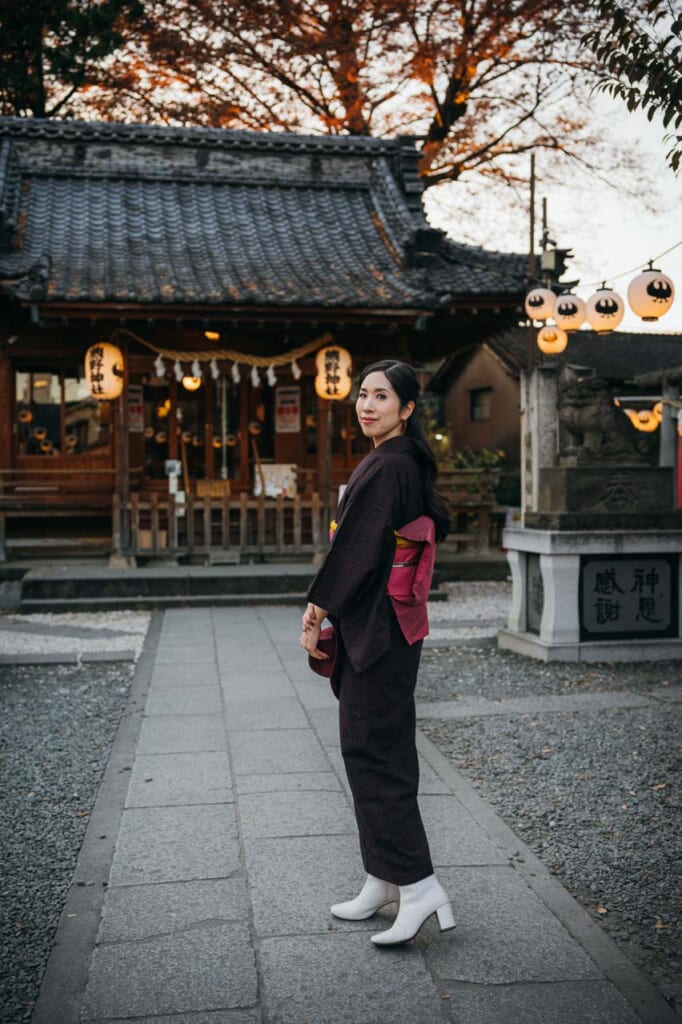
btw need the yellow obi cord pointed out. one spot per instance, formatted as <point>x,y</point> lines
<point>400,542</point>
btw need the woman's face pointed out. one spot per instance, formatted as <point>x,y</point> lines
<point>378,409</point>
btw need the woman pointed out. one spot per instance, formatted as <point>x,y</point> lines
<point>375,667</point>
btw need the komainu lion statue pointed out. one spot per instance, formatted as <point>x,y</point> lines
<point>592,430</point>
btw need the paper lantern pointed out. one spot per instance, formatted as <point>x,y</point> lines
<point>645,420</point>
<point>333,380</point>
<point>651,294</point>
<point>104,372</point>
<point>552,339</point>
<point>539,303</point>
<point>191,383</point>
<point>605,310</point>
<point>230,440</point>
<point>569,312</point>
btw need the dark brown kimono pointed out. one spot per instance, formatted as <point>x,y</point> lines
<point>375,672</point>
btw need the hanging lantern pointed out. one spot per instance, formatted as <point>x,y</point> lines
<point>230,440</point>
<point>605,310</point>
<point>212,335</point>
<point>333,379</point>
<point>645,420</point>
<point>651,294</point>
<point>148,433</point>
<point>71,440</point>
<point>187,437</point>
<point>552,339</point>
<point>160,437</point>
<point>569,312</point>
<point>191,383</point>
<point>217,442</point>
<point>539,303</point>
<point>255,428</point>
<point>658,411</point>
<point>25,416</point>
<point>196,441</point>
<point>104,373</point>
<point>46,447</point>
<point>40,433</point>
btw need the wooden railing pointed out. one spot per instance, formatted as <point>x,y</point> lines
<point>218,527</point>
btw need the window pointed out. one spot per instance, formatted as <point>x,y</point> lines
<point>480,403</point>
<point>56,415</point>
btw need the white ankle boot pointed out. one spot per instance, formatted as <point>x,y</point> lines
<point>374,894</point>
<point>417,902</point>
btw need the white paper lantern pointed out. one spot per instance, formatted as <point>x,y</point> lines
<point>569,312</point>
<point>552,339</point>
<point>651,294</point>
<point>104,371</point>
<point>334,367</point>
<point>605,310</point>
<point>539,303</point>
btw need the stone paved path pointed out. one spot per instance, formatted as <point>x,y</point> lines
<point>224,830</point>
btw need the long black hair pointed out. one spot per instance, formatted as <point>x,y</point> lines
<point>403,380</point>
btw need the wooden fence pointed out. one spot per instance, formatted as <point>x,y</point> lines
<point>219,528</point>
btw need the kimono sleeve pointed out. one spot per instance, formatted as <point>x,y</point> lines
<point>360,557</point>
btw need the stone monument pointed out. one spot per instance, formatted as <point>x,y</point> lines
<point>596,562</point>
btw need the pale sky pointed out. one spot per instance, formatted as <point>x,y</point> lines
<point>608,231</point>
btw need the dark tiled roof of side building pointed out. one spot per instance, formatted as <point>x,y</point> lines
<point>619,356</point>
<point>137,214</point>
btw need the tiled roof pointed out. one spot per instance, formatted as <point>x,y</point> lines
<point>619,356</point>
<point>130,214</point>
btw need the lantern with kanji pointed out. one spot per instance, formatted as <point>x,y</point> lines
<point>333,380</point>
<point>104,372</point>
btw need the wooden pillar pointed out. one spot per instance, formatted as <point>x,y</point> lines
<point>244,436</point>
<point>8,417</point>
<point>209,427</point>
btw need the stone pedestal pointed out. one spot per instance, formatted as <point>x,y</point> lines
<point>594,595</point>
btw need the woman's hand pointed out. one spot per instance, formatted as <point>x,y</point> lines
<point>308,641</point>
<point>313,617</point>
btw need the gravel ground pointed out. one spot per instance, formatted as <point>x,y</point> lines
<point>595,794</point>
<point>56,731</point>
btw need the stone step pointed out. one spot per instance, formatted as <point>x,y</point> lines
<point>159,602</point>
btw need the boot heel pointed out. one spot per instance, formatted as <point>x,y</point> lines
<point>446,919</point>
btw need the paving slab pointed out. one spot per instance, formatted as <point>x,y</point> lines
<point>210,968</point>
<point>454,835</point>
<point>505,933</point>
<point>589,1002</point>
<point>295,814</point>
<point>184,700</point>
<point>166,844</point>
<point>134,912</point>
<point>294,882</point>
<point>200,777</point>
<point>265,713</point>
<point>210,1017</point>
<point>336,979</point>
<point>290,782</point>
<point>170,674</point>
<point>176,734</point>
<point>292,750</point>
